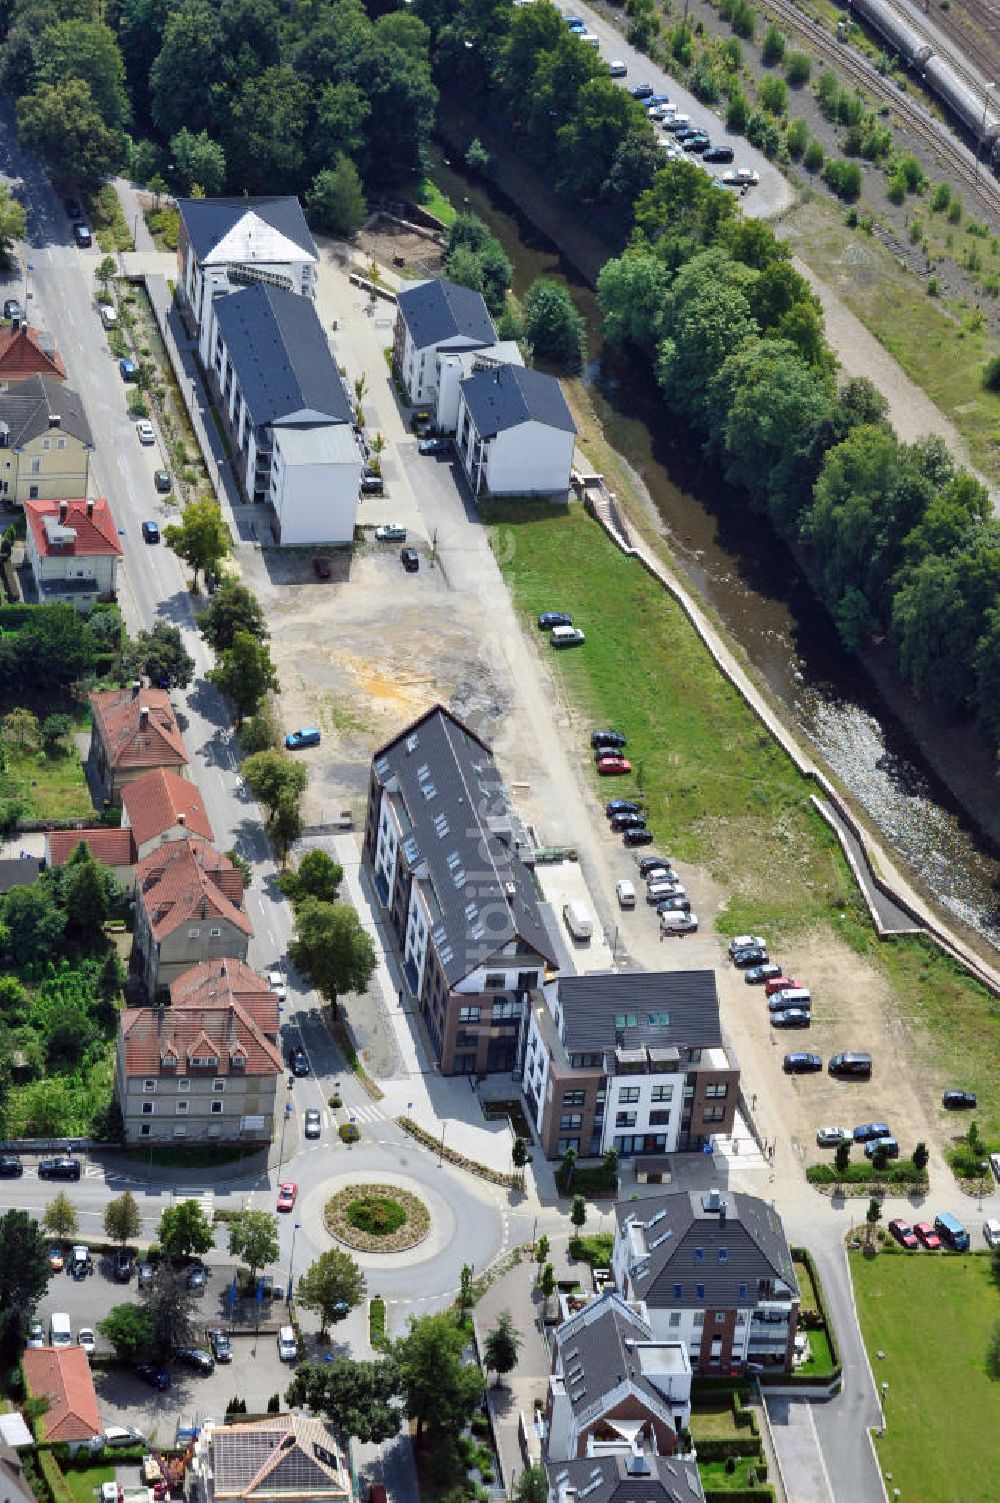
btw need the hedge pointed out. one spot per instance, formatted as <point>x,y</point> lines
<point>744,1418</point>
<point>764,1494</point>
<point>803,1255</point>
<point>717,1448</point>
<point>902,1172</point>
<point>58,1488</point>
<point>432,1141</point>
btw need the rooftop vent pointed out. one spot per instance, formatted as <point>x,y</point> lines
<point>711,1200</point>
<point>55,420</point>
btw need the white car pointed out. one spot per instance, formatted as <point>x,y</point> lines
<point>144,429</point>
<point>831,1137</point>
<point>626,893</point>
<point>109,318</point>
<point>747,942</point>
<point>278,985</point>
<point>740,177</point>
<point>678,923</point>
<point>85,1338</point>
<point>116,1435</point>
<point>36,1334</point>
<point>617,69</point>
<point>288,1347</point>
<point>991,1231</point>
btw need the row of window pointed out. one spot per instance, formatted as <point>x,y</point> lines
<point>629,1119</point>
<point>181,1107</point>
<point>628,1095</point>
<point>183,1084</point>
<point>505,1011</point>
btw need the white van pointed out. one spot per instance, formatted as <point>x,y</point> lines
<point>792,996</point>
<point>288,1347</point>
<point>678,923</point>
<point>578,920</point>
<point>626,893</point>
<point>60,1330</point>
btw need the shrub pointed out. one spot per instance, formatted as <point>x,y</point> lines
<point>773,46</point>
<point>376,1321</point>
<point>955,211</point>
<point>940,198</point>
<point>814,157</point>
<point>991,374</point>
<point>798,67</point>
<point>895,190</point>
<point>743,20</point>
<point>773,95</point>
<point>913,174</point>
<point>763,133</point>
<point>845,178</point>
<point>796,138</point>
<point>379,1215</point>
<point>737,111</point>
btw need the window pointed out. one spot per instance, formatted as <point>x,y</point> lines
<point>215,933</point>
<point>147,1108</point>
<point>720,1318</point>
<point>743,1291</point>
<point>565,1143</point>
<point>662,1093</point>
<point>184,1084</point>
<point>586,1061</point>
<point>628,1095</point>
<point>573,1098</point>
<point>205,1061</point>
<point>699,1291</point>
<point>194,933</point>
<point>60,443</point>
<point>570,1120</point>
<point>699,1255</point>
<point>182,1107</point>
<point>625,1119</point>
<point>526,980</point>
<point>218,1085</point>
<point>658,1019</point>
<point>46,444</point>
<point>714,1114</point>
<point>149,1085</point>
<point>468,1014</point>
<point>723,1254</point>
<point>675,1318</point>
<point>699,1318</point>
<point>36,466</point>
<point>717,1089</point>
<point>145,1130</point>
<point>659,1119</point>
<point>494,982</point>
<point>216,1108</point>
<point>625,1020</point>
<point>506,1009</point>
<point>678,1291</point>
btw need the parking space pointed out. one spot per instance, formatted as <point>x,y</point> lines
<point>564,883</point>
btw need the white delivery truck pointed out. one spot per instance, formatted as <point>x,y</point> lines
<point>60,1330</point>
<point>578,920</point>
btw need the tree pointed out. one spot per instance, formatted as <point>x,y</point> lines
<point>86,50</point>
<point>632,291</point>
<point>60,1218</point>
<point>531,1486</point>
<point>501,1346</point>
<point>842,1157</point>
<point>62,123</point>
<point>129,1328</point>
<point>186,69</point>
<point>90,893</point>
<point>34,923</point>
<point>20,728</point>
<point>201,538</point>
<point>271,776</point>
<point>232,608</point>
<point>880,1157</point>
<point>466,1293</point>
<point>520,1156</point>
<point>331,1287</point>
<point>920,1157</point>
<point>317,876</point>
<point>265,142</point>
<point>253,1235</point>
<point>331,948</point>
<point>245,673</point>
<point>358,1395</point>
<point>13,225</point>
<point>184,1229</point>
<point>285,826</point>
<point>872,1218</point>
<point>55,729</point>
<point>24,1271</point>
<point>547,1282</point>
<point>578,1214</point>
<point>336,204</point>
<point>122,1221</point>
<point>198,162</point>
<point>439,1389</point>
<point>170,1305</point>
<point>553,327</point>
<point>541,1252</point>
<point>567,1164</point>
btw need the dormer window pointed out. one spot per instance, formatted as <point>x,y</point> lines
<point>168,1061</point>
<point>204,1061</point>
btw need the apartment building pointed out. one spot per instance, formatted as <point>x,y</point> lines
<point>433,318</point>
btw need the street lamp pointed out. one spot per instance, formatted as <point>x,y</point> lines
<point>284,1123</point>
<point>982,133</point>
<point>441,1149</point>
<point>28,267</point>
<point>291,1260</point>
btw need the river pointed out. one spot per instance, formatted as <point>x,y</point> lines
<point>765,603</point>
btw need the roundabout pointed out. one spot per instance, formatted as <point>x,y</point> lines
<point>377,1218</point>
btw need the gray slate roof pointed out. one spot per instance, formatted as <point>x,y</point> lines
<point>26,407</point>
<point>452,789</point>
<point>694,1247</point>
<point>628,1479</point>
<point>19,871</point>
<point>510,395</point>
<point>281,356</point>
<point>208,219</point>
<point>594,1340</point>
<point>600,1010</point>
<point>437,311</point>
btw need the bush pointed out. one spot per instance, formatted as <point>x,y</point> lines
<point>773,95</point>
<point>796,138</point>
<point>762,132</point>
<point>845,178</point>
<point>773,46</point>
<point>743,20</point>
<point>378,1215</point>
<point>376,1321</point>
<point>798,68</point>
<point>940,198</point>
<point>991,374</point>
<point>737,111</point>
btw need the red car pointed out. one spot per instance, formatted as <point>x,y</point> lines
<point>287,1195</point>
<point>610,767</point>
<point>927,1235</point>
<point>780,984</point>
<point>903,1234</point>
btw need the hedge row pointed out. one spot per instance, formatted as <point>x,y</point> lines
<point>764,1494</point>
<point>718,1448</point>
<point>53,1480</point>
<point>743,1417</point>
<point>803,1255</point>
<point>903,1172</point>
<point>431,1141</point>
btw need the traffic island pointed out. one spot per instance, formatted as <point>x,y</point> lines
<point>377,1218</point>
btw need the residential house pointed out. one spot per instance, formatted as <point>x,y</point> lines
<point>713,1270</point>
<point>229,981</point>
<point>112,848</point>
<point>62,1375</point>
<point>134,730</point>
<point>25,351</point>
<point>14,1484</point>
<point>72,549</point>
<point>189,908</point>
<point>630,1060</point>
<point>204,1070</point>
<point>431,318</point>
<point>446,853</point>
<point>45,441</point>
<point>514,433</point>
<point>614,1384</point>
<point>228,243</point>
<point>634,1476</point>
<point>160,806</point>
<point>453,367</point>
<point>282,1459</point>
<point>287,413</point>
<point>19,871</point>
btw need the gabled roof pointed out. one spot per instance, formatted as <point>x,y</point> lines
<point>62,1375</point>
<point>602,1346</point>
<point>85,529</point>
<point>628,1008</point>
<point>437,311</point>
<point>223,1029</point>
<point>189,881</point>
<point>214,982</point>
<point>111,847</point>
<point>162,800</point>
<point>460,836</point>
<point>510,395</point>
<point>131,741</point>
<point>288,1457</point>
<point>720,1243</point>
<point>25,351</point>
<point>247,230</point>
<point>624,1478</point>
<point>281,357</point>
<point>29,408</point>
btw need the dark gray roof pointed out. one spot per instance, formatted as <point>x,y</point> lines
<point>461,827</point>
<point>624,1478</point>
<point>596,1357</point>
<point>281,356</point>
<point>26,407</point>
<point>438,311</point>
<point>509,395</point>
<point>690,1246</point>
<point>207,220</point>
<point>19,871</point>
<point>628,1007</point>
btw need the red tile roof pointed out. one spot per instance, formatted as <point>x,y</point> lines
<point>112,847</point>
<point>223,1029</point>
<point>62,1375</point>
<point>96,533</point>
<point>161,800</point>
<point>27,352</point>
<point>186,881</point>
<point>131,741</point>
<point>217,981</point>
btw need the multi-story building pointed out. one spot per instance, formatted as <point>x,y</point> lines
<point>189,908</point>
<point>613,1384</point>
<point>45,441</point>
<point>633,1061</point>
<point>72,549</point>
<point>433,318</point>
<point>287,1458</point>
<point>514,433</point>
<point>162,806</point>
<point>713,1270</point>
<point>214,982</point>
<point>446,853</point>
<point>228,243</point>
<point>133,730</point>
<point>25,352</point>
<point>627,1476</point>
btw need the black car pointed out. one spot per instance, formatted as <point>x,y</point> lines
<point>124,1265</point>
<point>12,308</point>
<point>801,1064</point>
<point>313,1123</point>
<point>607,739</point>
<point>697,144</point>
<point>548,619</point>
<point>156,1377</point>
<point>298,1062</point>
<point>642,91</point>
<point>621,806</point>
<point>82,236</point>
<point>674,905</point>
<point>410,559</point>
<point>222,1349</point>
<point>74,208</point>
<point>60,1168</point>
<point>790,1017</point>
<point>627,821</point>
<point>957,1101</point>
<point>647,863</point>
<point>161,481</point>
<point>718,154</point>
<point>10,1166</point>
<point>749,955</point>
<point>150,532</point>
<point>434,446</point>
<point>371,483</point>
<point>197,1276</point>
<point>756,975</point>
<point>637,837</point>
<point>196,1357</point>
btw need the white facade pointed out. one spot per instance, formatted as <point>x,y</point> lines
<point>452,369</point>
<point>314,484</point>
<point>531,459</point>
<point>251,252</point>
<point>535,1077</point>
<point>644,1103</point>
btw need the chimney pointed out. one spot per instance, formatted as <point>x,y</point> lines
<point>55,421</point>
<point>136,686</point>
<point>143,717</point>
<point>182,819</point>
<point>722,1214</point>
<point>15,324</point>
<point>90,509</point>
<point>63,511</point>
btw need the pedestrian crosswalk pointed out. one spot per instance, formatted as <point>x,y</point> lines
<point>204,1199</point>
<point>366,1113</point>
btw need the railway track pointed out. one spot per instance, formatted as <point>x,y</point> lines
<point>983,19</point>
<point>983,186</point>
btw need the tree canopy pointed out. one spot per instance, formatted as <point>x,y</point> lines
<point>359,1396</point>
<point>184,1229</point>
<point>201,537</point>
<point>331,1287</point>
<point>331,948</point>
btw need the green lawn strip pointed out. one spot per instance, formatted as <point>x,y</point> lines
<point>714,1474</point>
<point>55,786</point>
<point>713,1419</point>
<point>84,1483</point>
<point>932,1317</point>
<point>820,1361</point>
<point>430,197</point>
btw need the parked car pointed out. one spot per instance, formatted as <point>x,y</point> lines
<point>756,974</point>
<point>641,91</point>
<point>288,1347</point>
<point>57,1257</point>
<point>621,806</point>
<point>313,1123</point>
<point>869,1131</point>
<point>321,568</point>
<point>109,316</point>
<point>608,738</point>
<point>791,1017</point>
<point>627,821</point>
<point>36,1334</point>
<point>434,446</point>
<point>661,874</point>
<point>123,1266</point>
<point>991,1231</point>
<point>150,532</point>
<point>277,984</point>
<point>697,143</point>
<point>85,1337</point>
<point>372,483</point>
<point>832,1137</point>
<point>162,482</point>
<point>145,1276</point>
<point>648,864</point>
<point>887,1144</point>
<point>74,208</point>
<point>222,1347</point>
<point>747,177</point>
<point>298,1062</point>
<point>637,837</point>
<point>390,532</point>
<point>128,370</point>
<point>779,983</point>
<point>12,308</point>
<point>196,1357</point>
<point>305,736</point>
<point>82,236</point>
<point>617,69</point>
<point>718,154</point>
<point>567,636</point>
<point>744,941</point>
<point>678,923</point>
<point>62,1167</point>
<point>750,955</point>
<point>548,619</point>
<point>802,1064</point>
<point>958,1100</point>
<point>288,1194</point>
<point>851,1066</point>
<point>613,767</point>
<point>674,904</point>
<point>657,891</point>
<point>410,560</point>
<point>145,432</point>
<point>10,1166</point>
<point>625,892</point>
<point>926,1234</point>
<point>903,1233</point>
<point>197,1276</point>
<point>156,1377</point>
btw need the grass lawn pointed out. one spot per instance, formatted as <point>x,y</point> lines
<point>84,1482</point>
<point>714,1474</point>
<point>430,197</point>
<point>932,1316</point>
<point>820,1356</point>
<point>712,1418</point>
<point>55,787</point>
